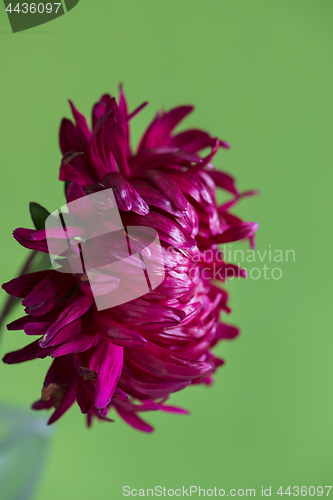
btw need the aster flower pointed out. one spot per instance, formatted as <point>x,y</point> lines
<point>131,357</point>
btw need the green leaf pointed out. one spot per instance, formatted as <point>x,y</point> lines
<point>38,215</point>
<point>66,184</point>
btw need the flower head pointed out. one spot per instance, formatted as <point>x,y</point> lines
<point>131,357</point>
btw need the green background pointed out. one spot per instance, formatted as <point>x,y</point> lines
<point>260,75</point>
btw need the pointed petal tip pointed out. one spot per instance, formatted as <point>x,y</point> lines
<point>252,192</point>
<point>243,273</point>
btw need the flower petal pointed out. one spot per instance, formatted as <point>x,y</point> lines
<point>168,187</point>
<point>21,235</point>
<point>111,363</point>
<point>195,140</point>
<point>133,420</point>
<point>117,137</point>
<point>154,197</point>
<point>168,231</point>
<point>115,333</point>
<point>79,344</point>
<point>76,306</point>
<point>142,389</point>
<point>237,232</point>
<point>47,288</point>
<point>224,181</point>
<point>31,351</point>
<point>160,129</point>
<point>159,157</point>
<point>166,364</point>
<point>23,285</point>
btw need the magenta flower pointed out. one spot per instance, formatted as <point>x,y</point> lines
<point>131,357</point>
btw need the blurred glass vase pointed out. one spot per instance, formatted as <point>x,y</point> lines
<point>24,443</point>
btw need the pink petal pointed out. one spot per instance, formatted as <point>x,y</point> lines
<point>134,421</point>
<point>76,306</point>
<point>115,333</point>
<point>166,364</point>
<point>111,363</point>
<point>159,131</point>
<point>237,232</point>
<point>23,285</point>
<point>168,187</point>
